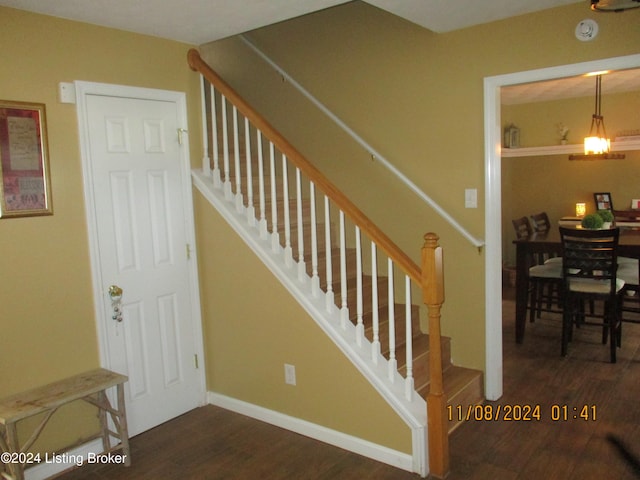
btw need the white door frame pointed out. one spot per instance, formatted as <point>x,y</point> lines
<point>493,200</point>
<point>83,89</point>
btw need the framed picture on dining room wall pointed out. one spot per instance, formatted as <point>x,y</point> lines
<point>25,186</point>
<point>603,201</point>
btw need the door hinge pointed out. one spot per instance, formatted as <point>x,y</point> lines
<point>195,361</point>
<point>188,251</point>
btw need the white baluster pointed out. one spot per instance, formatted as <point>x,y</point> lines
<point>251,210</point>
<point>327,248</point>
<point>315,280</point>
<point>236,155</point>
<point>302,268</point>
<point>275,236</point>
<point>288,253</point>
<point>344,311</point>
<point>262,224</point>
<point>217,182</point>
<point>375,346</point>
<point>225,149</point>
<point>206,161</point>
<point>409,382</point>
<point>359,299</point>
<point>393,363</point>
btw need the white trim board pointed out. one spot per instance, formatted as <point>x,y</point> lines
<point>44,470</point>
<point>353,444</point>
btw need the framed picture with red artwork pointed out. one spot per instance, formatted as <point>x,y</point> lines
<point>25,186</point>
<point>603,201</point>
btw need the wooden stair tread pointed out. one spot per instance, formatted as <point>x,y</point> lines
<point>457,378</point>
<point>463,386</point>
<point>464,390</point>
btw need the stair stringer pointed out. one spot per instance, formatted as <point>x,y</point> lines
<point>326,315</point>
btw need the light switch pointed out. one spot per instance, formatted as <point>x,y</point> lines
<point>471,198</point>
<point>66,92</point>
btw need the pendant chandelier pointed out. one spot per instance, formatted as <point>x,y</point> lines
<point>614,5</point>
<point>597,145</point>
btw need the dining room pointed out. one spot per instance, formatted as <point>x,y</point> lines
<point>537,175</point>
<point>543,169</point>
<point>552,119</point>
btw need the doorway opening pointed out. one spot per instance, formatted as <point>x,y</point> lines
<point>493,198</point>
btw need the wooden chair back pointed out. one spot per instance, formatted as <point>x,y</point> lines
<point>590,255</point>
<point>523,227</point>
<point>540,222</point>
<point>589,272</point>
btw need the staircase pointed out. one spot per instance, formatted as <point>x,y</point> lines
<point>348,275</point>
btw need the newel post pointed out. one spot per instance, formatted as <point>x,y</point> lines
<point>433,297</point>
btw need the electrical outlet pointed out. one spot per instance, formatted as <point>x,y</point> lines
<point>289,374</point>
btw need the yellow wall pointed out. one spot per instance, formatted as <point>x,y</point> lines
<point>417,97</point>
<point>252,329</point>
<point>47,315</point>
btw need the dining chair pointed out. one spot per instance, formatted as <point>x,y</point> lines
<point>589,272</point>
<point>522,227</point>
<point>540,222</point>
<point>630,273</point>
<point>544,278</point>
<point>618,215</point>
<point>542,225</point>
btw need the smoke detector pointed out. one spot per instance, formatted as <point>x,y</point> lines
<point>586,30</point>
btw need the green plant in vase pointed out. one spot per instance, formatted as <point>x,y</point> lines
<point>592,221</point>
<point>607,218</point>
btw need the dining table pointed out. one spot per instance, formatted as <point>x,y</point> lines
<point>550,243</point>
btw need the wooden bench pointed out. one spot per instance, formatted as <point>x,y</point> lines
<point>89,386</point>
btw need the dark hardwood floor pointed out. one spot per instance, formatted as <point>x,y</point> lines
<point>211,443</point>
<point>536,374</point>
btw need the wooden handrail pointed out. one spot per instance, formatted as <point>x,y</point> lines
<point>428,276</point>
<point>433,297</point>
<point>196,63</point>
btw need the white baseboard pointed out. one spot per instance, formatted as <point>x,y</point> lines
<point>323,434</point>
<point>54,464</point>
<point>353,444</point>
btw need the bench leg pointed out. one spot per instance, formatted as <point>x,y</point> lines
<point>124,431</point>
<point>15,469</point>
<point>104,426</point>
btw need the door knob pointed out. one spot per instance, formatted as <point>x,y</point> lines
<point>115,291</point>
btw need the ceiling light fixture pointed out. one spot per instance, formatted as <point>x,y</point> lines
<point>614,5</point>
<point>597,145</point>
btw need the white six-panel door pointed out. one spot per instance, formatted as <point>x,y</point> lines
<point>141,220</point>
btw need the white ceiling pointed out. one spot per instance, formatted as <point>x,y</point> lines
<point>571,87</point>
<point>201,21</point>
